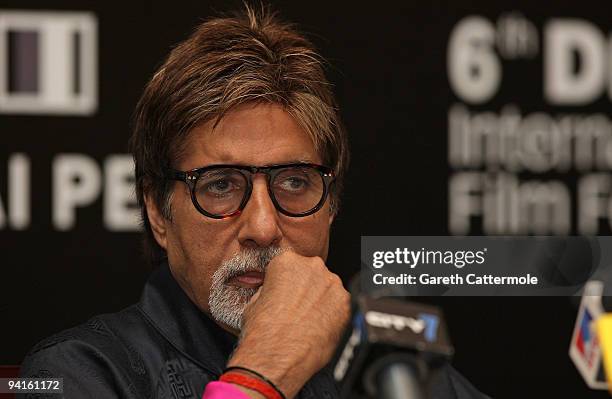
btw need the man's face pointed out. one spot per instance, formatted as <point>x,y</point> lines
<point>197,245</point>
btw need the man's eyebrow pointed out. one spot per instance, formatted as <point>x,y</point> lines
<point>301,160</point>
<point>288,162</point>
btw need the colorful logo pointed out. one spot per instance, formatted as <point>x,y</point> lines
<point>431,326</point>
<point>586,339</point>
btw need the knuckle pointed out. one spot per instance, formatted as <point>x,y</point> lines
<point>347,304</point>
<point>336,279</point>
<point>316,266</point>
<point>318,263</point>
<point>344,299</point>
<point>334,282</point>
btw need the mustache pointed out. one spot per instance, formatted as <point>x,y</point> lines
<point>249,259</point>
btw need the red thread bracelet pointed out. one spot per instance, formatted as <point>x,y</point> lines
<point>250,382</point>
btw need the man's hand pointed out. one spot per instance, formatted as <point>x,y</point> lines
<point>292,326</point>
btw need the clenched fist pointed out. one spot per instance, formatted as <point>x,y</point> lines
<point>292,326</point>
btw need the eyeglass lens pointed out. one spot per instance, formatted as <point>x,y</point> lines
<point>296,189</point>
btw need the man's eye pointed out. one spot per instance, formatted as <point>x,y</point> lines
<point>220,187</point>
<point>293,184</point>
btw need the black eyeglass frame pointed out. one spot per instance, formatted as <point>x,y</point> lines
<point>190,178</point>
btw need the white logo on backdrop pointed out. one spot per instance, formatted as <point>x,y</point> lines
<point>52,63</point>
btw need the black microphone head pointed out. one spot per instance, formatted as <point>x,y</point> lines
<point>385,326</point>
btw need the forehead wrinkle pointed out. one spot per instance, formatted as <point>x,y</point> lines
<point>231,141</point>
<point>237,152</point>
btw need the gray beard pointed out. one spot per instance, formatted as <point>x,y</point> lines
<point>227,302</point>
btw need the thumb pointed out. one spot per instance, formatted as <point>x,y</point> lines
<point>255,296</point>
<point>248,309</point>
<point>253,299</point>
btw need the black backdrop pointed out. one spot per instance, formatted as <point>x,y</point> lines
<point>389,67</point>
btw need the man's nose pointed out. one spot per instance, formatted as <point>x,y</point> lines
<point>259,219</point>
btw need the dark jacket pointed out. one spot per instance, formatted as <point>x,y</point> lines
<point>161,347</point>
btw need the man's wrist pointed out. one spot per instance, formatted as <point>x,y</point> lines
<point>249,392</point>
<point>287,378</point>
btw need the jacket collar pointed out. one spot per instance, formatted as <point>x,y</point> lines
<point>183,324</point>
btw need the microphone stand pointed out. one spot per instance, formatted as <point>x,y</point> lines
<point>399,376</point>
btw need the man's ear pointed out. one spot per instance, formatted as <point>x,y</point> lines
<point>333,203</point>
<point>159,224</point>
<point>332,216</point>
<point>333,211</point>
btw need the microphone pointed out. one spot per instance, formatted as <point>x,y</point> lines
<point>390,349</point>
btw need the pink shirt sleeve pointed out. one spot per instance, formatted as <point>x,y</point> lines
<point>223,390</point>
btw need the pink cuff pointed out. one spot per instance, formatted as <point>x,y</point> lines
<point>223,390</point>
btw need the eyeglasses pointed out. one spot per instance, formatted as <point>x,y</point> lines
<point>222,191</point>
